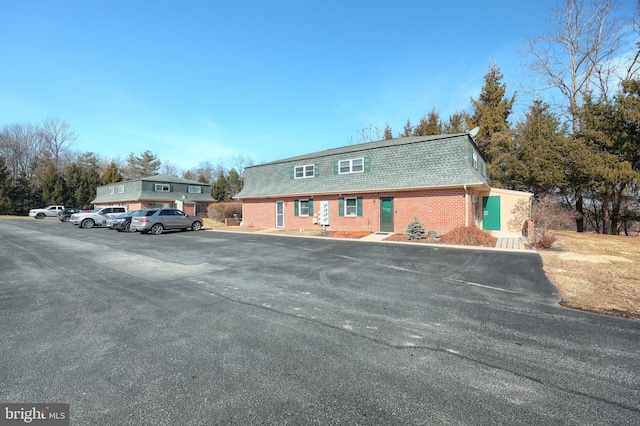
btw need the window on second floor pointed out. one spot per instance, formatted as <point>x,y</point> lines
<point>162,187</point>
<point>120,189</point>
<point>354,165</point>
<point>305,171</point>
<point>112,190</point>
<point>194,189</point>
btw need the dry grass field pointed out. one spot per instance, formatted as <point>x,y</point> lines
<point>595,272</point>
<point>592,272</point>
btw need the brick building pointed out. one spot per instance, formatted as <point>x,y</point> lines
<point>157,191</point>
<point>379,187</point>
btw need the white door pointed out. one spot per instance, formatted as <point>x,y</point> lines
<point>279,214</point>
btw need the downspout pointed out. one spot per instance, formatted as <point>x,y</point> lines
<point>466,207</point>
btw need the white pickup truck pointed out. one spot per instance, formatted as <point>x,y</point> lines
<point>97,217</point>
<point>49,211</point>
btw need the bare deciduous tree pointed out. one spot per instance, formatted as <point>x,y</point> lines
<point>581,53</point>
<point>57,136</point>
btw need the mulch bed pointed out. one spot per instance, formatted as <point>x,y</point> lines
<point>347,234</point>
<point>402,237</point>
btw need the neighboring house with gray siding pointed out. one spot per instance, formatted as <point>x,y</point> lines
<point>377,187</point>
<point>190,196</point>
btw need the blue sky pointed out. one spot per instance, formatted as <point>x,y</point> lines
<point>207,80</point>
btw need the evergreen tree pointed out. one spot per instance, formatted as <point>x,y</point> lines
<point>111,174</point>
<point>388,134</point>
<point>220,188</point>
<point>415,230</point>
<point>53,186</point>
<point>428,125</point>
<point>408,129</point>
<point>234,182</point>
<point>491,112</point>
<point>455,124</point>
<point>536,163</point>
<point>5,188</point>
<point>144,165</point>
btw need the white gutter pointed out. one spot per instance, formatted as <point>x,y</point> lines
<point>466,207</point>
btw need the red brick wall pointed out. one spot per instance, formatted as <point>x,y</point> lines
<point>438,210</point>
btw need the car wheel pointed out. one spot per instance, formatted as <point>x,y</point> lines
<point>65,219</point>
<point>87,224</point>
<point>157,229</point>
<point>196,226</point>
<point>127,227</point>
<point>40,216</point>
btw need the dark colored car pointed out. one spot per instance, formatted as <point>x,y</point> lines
<point>121,223</point>
<point>65,214</point>
<point>159,219</point>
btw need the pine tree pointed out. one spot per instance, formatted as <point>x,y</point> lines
<point>220,188</point>
<point>144,165</point>
<point>415,230</point>
<point>491,113</point>
<point>111,174</point>
<point>408,129</point>
<point>388,134</point>
<point>536,163</point>
<point>53,186</point>
<point>5,188</point>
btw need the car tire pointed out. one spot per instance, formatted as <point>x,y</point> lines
<point>157,229</point>
<point>40,216</point>
<point>65,219</point>
<point>127,227</point>
<point>196,226</point>
<point>87,223</point>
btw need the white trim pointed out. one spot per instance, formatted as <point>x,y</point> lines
<point>304,171</point>
<point>351,160</point>
<point>355,206</point>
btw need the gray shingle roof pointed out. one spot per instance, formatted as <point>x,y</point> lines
<point>402,163</point>
<point>144,189</point>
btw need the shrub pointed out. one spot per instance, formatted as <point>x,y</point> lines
<point>415,230</point>
<point>469,236</point>
<point>544,241</point>
<point>221,211</point>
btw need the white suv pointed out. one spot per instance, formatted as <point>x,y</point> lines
<point>97,217</point>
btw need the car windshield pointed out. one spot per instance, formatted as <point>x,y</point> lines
<point>95,210</point>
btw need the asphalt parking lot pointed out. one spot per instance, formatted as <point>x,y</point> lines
<point>204,328</point>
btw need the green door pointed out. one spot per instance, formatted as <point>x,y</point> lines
<point>386,214</point>
<point>491,213</point>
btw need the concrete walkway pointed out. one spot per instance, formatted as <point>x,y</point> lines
<point>509,240</point>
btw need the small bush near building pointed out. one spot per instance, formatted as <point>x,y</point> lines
<point>221,211</point>
<point>469,236</point>
<point>415,230</point>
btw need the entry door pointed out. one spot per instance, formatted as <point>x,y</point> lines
<point>386,214</point>
<point>279,214</point>
<point>491,213</point>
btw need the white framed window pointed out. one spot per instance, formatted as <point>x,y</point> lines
<point>306,171</point>
<point>194,189</point>
<point>304,208</point>
<point>120,189</point>
<point>351,206</point>
<point>353,165</point>
<point>475,160</point>
<point>163,187</point>
<point>112,190</point>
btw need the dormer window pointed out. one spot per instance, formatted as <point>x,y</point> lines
<point>306,171</point>
<point>163,187</point>
<point>354,165</point>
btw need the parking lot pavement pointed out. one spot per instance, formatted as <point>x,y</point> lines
<point>229,328</point>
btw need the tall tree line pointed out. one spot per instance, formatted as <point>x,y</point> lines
<point>38,167</point>
<point>582,149</point>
